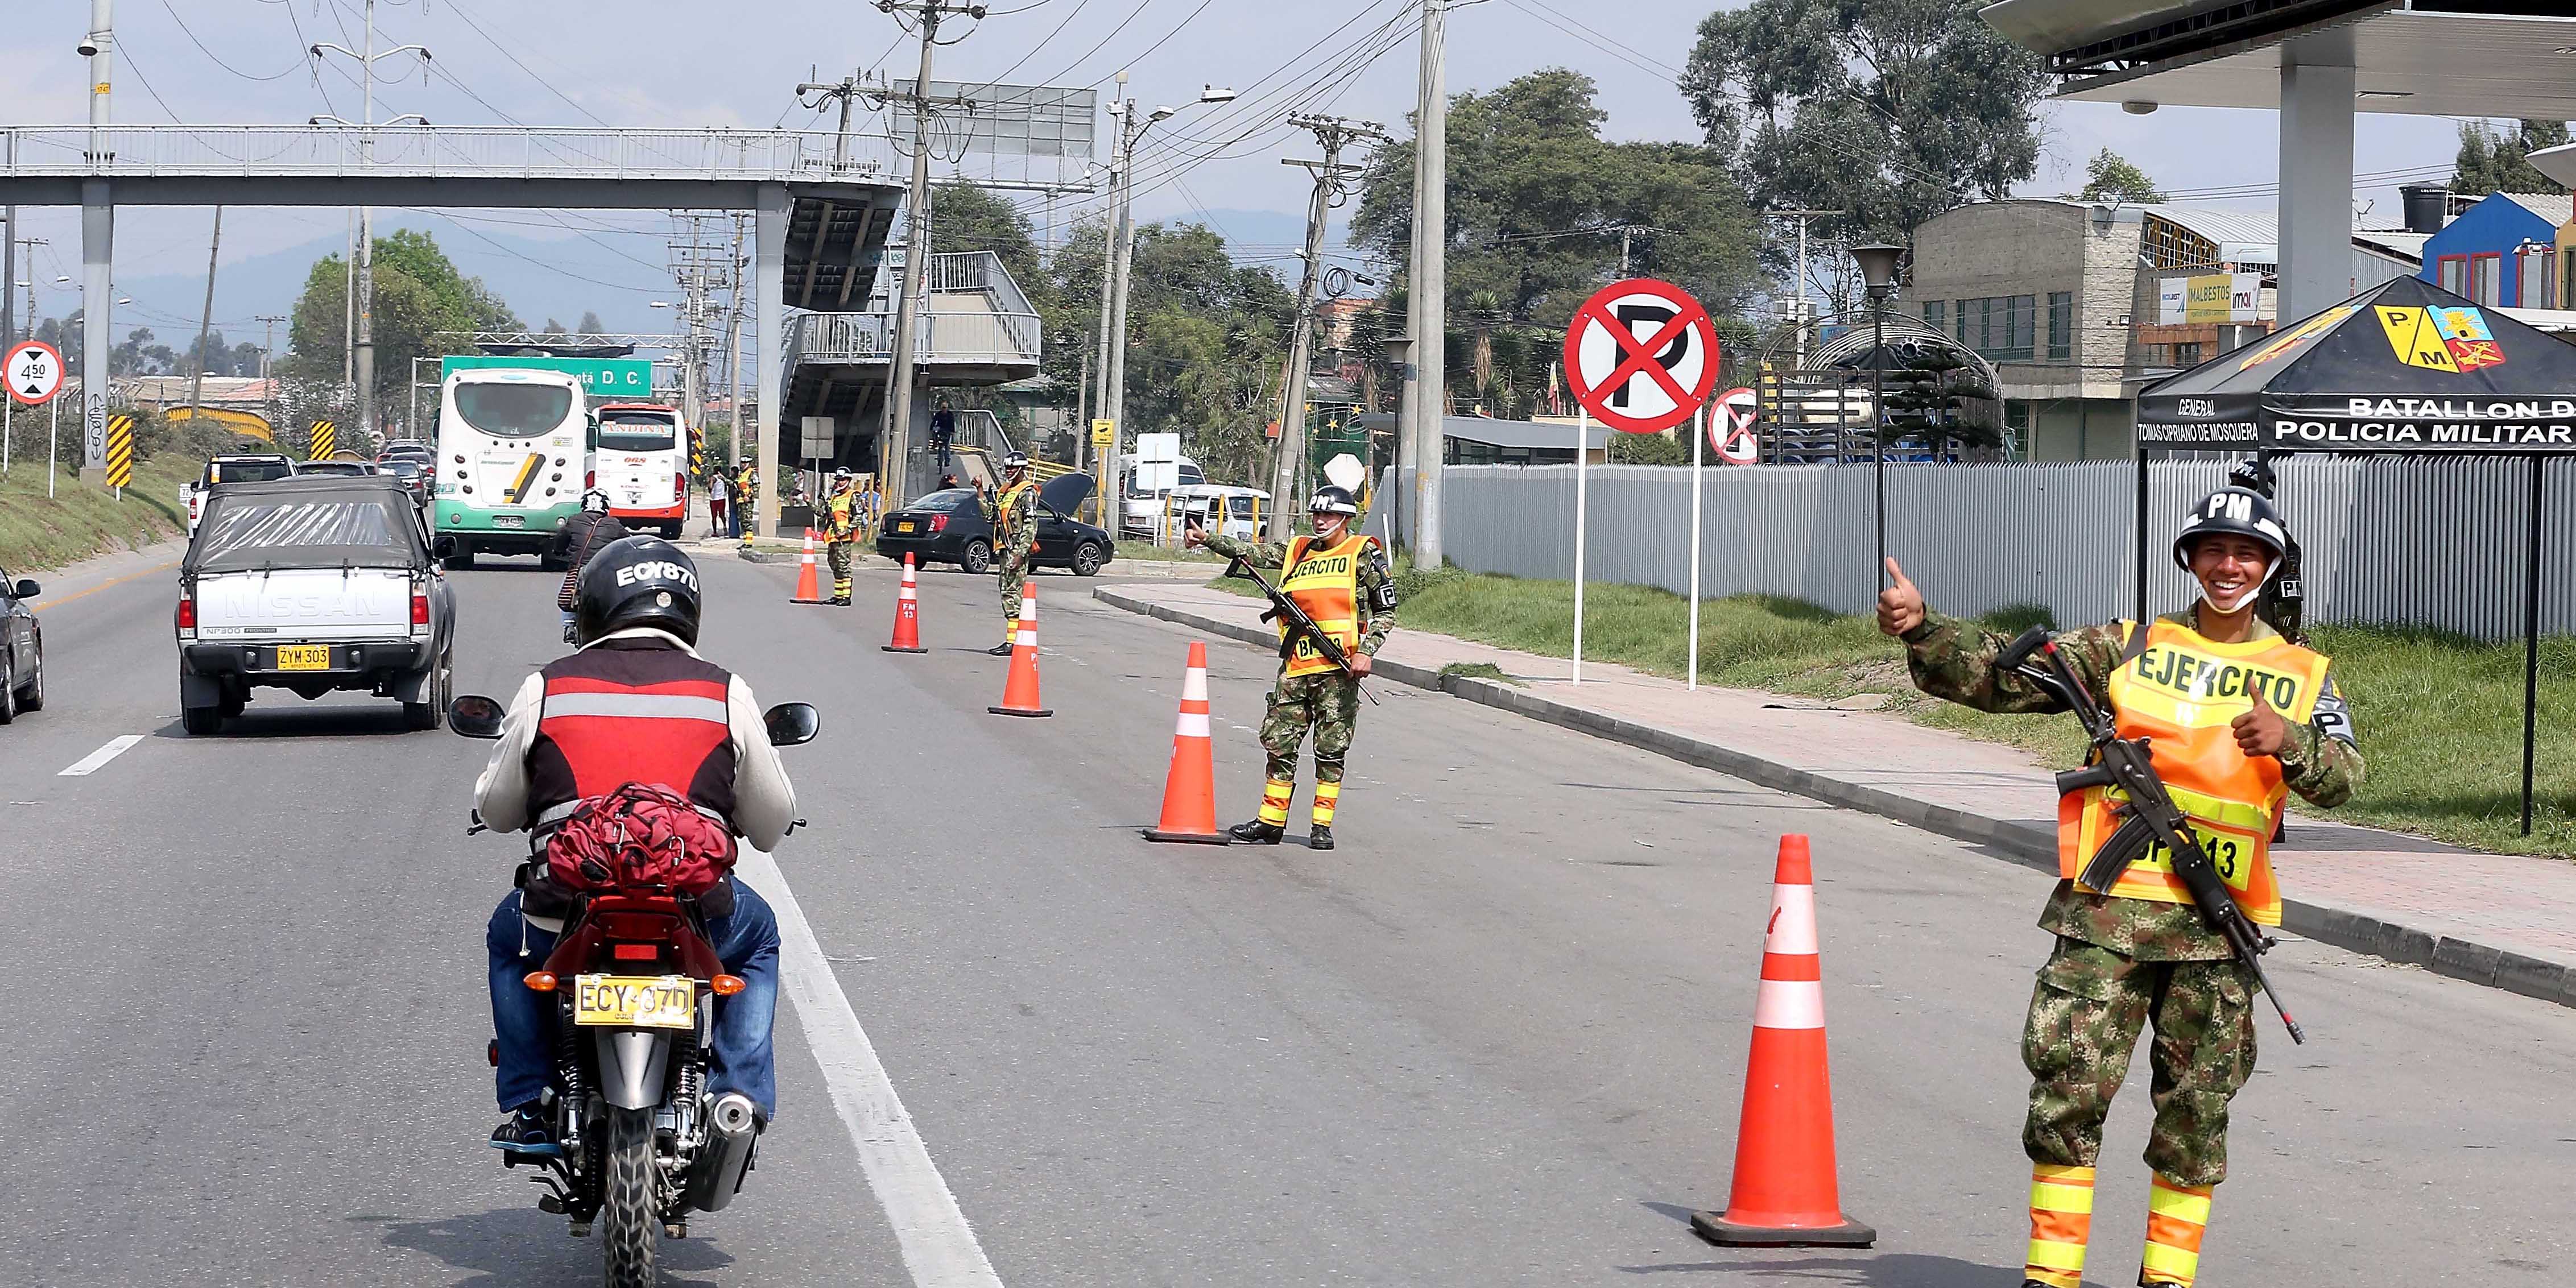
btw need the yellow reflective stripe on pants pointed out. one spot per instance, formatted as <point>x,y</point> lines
<point>2177,1217</point>
<point>2061,1224</point>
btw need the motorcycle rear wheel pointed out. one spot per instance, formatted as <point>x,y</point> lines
<point>630,1219</point>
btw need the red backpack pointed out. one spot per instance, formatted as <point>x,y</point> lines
<point>636,836</point>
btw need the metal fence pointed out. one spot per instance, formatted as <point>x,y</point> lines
<point>2437,543</point>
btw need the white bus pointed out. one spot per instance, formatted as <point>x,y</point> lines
<point>513,457</point>
<point>643,463</point>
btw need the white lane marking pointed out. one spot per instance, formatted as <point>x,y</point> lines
<point>91,763</point>
<point>939,1249</point>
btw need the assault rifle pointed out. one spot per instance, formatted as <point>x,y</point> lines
<point>1300,626</point>
<point>2149,817</point>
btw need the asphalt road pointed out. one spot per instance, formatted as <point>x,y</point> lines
<point>1498,1037</point>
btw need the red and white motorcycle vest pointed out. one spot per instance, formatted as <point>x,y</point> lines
<point>631,711</point>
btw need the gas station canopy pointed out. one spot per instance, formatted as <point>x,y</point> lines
<point>2426,58</point>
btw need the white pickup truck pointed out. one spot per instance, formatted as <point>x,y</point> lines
<point>312,584</point>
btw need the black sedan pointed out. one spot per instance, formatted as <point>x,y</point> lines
<point>22,650</point>
<point>948,526</point>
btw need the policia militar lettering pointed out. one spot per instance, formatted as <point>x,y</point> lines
<point>1342,582</point>
<point>2236,716</point>
<point>1015,534</point>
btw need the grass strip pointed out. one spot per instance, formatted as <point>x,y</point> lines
<point>85,519</point>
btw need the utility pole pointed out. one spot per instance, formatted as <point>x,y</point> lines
<point>894,445</point>
<point>1798,277</point>
<point>1112,507</point>
<point>268,346</point>
<point>362,263</point>
<point>9,277</point>
<point>843,89</point>
<point>98,239</point>
<point>1334,133</point>
<point>733,344</point>
<point>31,243</point>
<point>1431,285</point>
<point>205,322</point>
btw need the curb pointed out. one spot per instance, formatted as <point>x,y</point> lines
<point>2029,845</point>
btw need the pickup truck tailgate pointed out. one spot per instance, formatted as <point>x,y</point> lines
<point>305,604</point>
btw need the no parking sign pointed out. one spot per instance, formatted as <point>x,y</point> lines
<point>1730,431</point>
<point>1641,355</point>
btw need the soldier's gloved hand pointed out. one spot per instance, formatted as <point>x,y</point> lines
<point>2261,731</point>
<point>1900,606</point>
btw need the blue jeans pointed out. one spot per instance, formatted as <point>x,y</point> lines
<point>524,1019</point>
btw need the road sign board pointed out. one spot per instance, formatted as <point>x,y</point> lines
<point>603,378</point>
<point>34,370</point>
<point>1104,433</point>
<point>120,451</point>
<point>1730,427</point>
<point>326,441</point>
<point>818,437</point>
<point>1641,355</point>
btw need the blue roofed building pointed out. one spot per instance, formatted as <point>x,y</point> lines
<point>2501,251</point>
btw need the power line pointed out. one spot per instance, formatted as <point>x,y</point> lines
<point>211,56</point>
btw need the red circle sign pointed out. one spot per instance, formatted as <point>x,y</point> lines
<point>1641,356</point>
<point>34,371</point>
<point>1730,430</point>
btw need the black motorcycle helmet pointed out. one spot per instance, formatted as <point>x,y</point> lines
<point>637,581</point>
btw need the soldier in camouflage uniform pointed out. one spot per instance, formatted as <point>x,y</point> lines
<point>1342,581</point>
<point>2142,955</point>
<point>1015,534</point>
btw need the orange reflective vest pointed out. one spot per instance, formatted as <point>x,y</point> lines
<point>1005,522</point>
<point>1326,583</point>
<point>2182,690</point>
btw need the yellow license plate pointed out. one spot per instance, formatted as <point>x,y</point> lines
<point>905,526</point>
<point>304,657</point>
<point>636,1002</point>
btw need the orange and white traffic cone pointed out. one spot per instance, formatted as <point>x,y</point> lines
<point>1020,692</point>
<point>808,591</point>
<point>1189,790</point>
<point>1785,1193</point>
<point>907,615</point>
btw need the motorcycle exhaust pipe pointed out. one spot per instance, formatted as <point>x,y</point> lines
<point>732,1129</point>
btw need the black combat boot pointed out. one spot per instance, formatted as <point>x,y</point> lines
<point>1002,649</point>
<point>1257,832</point>
<point>1319,837</point>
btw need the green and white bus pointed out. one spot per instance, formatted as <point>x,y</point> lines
<point>514,454</point>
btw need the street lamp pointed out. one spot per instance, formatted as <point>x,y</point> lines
<point>1399,350</point>
<point>1877,262</point>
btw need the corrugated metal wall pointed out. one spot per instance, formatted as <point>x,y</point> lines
<point>2432,542</point>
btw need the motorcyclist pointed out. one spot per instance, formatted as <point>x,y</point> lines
<point>577,542</point>
<point>634,704</point>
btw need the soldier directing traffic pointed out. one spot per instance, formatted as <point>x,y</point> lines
<point>1015,534</point>
<point>1342,581</point>
<point>844,514</point>
<point>2237,717</point>
<point>746,499</point>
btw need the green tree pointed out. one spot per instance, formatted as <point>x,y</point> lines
<point>1648,449</point>
<point>1891,111</point>
<point>590,323</point>
<point>2111,177</point>
<point>419,293</point>
<point>1540,209</point>
<point>964,217</point>
<point>2491,160</point>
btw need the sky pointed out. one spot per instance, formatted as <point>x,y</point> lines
<point>664,63</point>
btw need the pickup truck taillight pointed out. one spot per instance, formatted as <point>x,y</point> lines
<point>187,619</point>
<point>939,523</point>
<point>419,611</point>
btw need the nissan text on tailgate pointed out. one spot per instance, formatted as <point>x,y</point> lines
<point>312,584</point>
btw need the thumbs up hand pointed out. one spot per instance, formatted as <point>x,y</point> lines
<point>2260,731</point>
<point>1900,606</point>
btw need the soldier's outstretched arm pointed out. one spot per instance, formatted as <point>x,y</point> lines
<point>1957,660</point>
<point>1263,554</point>
<point>2321,761</point>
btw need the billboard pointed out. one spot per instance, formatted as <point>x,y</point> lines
<point>2209,298</point>
<point>604,378</point>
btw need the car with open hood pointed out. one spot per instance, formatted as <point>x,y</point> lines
<point>950,526</point>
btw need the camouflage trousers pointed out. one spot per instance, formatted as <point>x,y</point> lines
<point>2085,1016</point>
<point>841,554</point>
<point>1329,703</point>
<point>1013,580</point>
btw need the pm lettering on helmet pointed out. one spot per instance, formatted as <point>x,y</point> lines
<point>656,570</point>
<point>2231,505</point>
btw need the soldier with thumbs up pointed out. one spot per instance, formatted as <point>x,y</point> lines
<point>2237,717</point>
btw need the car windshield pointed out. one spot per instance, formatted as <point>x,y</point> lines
<point>343,469</point>
<point>636,431</point>
<point>309,523</point>
<point>407,470</point>
<point>245,471</point>
<point>950,501</point>
<point>513,410</point>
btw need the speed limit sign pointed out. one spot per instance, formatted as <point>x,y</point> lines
<point>34,372</point>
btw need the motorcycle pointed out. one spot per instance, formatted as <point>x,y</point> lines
<point>642,1140</point>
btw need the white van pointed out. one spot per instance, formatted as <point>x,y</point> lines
<point>1239,512</point>
<point>1142,512</point>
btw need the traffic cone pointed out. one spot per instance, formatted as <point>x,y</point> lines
<point>1020,692</point>
<point>1189,790</point>
<point>1785,1193</point>
<point>807,591</point>
<point>907,615</point>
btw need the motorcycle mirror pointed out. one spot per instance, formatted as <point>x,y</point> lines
<point>792,723</point>
<point>475,716</point>
<point>444,548</point>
